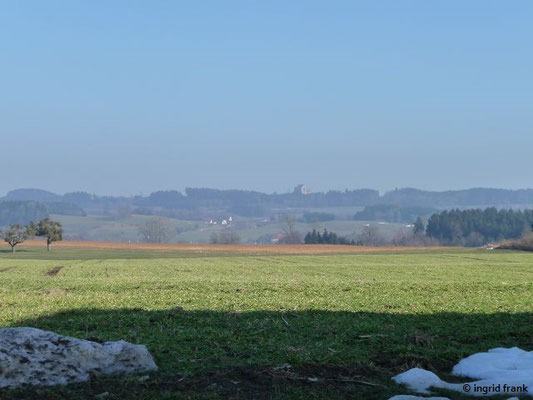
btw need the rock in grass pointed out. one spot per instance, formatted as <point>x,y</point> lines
<point>36,357</point>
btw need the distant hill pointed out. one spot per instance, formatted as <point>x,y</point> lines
<point>202,203</point>
<point>21,212</point>
<point>32,195</point>
<point>25,211</point>
<point>460,198</point>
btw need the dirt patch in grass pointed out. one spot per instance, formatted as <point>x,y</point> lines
<point>6,269</point>
<point>394,363</point>
<point>54,271</point>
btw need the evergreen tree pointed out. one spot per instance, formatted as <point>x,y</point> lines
<point>419,227</point>
<point>478,226</point>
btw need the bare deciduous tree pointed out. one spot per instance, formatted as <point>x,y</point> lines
<point>369,236</point>
<point>288,226</point>
<point>155,230</point>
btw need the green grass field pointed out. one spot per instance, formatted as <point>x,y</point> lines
<point>282,327</point>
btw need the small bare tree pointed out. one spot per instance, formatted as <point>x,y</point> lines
<point>288,226</point>
<point>155,230</point>
<point>369,236</point>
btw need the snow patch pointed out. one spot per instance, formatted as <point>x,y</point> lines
<point>503,365</point>
<point>420,380</point>
<point>499,371</point>
<point>36,357</point>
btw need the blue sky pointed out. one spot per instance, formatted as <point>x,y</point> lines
<point>128,97</point>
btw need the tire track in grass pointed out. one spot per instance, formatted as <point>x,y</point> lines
<point>54,271</point>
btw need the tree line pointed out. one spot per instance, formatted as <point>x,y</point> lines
<point>17,233</point>
<point>396,206</point>
<point>458,198</point>
<point>315,237</point>
<point>476,227</point>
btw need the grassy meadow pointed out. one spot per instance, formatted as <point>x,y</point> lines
<point>247,326</point>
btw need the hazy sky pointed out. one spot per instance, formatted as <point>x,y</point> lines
<point>127,97</point>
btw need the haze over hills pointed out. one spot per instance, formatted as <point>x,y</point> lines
<point>199,213</point>
<point>300,197</point>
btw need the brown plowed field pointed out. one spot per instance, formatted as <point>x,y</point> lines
<point>213,248</point>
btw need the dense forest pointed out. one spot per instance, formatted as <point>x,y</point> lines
<point>315,237</point>
<point>393,213</point>
<point>23,212</point>
<point>477,227</point>
<point>310,217</point>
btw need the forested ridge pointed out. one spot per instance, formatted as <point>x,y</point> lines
<point>475,227</point>
<point>253,202</point>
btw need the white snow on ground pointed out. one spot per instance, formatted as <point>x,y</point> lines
<point>509,365</point>
<point>498,372</point>
<point>35,357</point>
<point>420,380</point>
